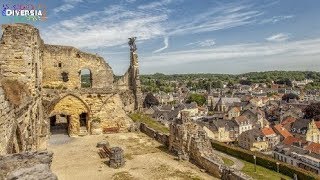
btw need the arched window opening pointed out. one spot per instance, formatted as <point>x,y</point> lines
<point>86,78</point>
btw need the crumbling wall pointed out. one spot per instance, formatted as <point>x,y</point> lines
<point>106,107</point>
<point>21,117</point>
<point>160,137</point>
<point>29,165</point>
<point>66,59</point>
<point>190,142</point>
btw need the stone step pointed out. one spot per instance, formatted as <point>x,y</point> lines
<point>83,131</point>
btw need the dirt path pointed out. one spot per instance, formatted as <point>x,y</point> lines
<point>145,159</point>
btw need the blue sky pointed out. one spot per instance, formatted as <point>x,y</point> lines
<point>190,36</point>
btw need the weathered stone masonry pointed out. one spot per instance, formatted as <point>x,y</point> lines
<point>40,82</point>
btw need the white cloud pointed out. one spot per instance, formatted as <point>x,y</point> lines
<point>276,19</point>
<point>63,8</point>
<point>166,45</point>
<point>218,18</point>
<point>205,43</point>
<point>288,50</point>
<point>278,37</point>
<point>110,27</point>
<point>68,5</point>
<point>130,1</point>
<point>155,5</point>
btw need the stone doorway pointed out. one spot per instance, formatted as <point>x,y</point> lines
<point>77,116</point>
<point>83,117</point>
<point>59,124</point>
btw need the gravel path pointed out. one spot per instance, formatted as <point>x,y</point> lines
<point>237,163</point>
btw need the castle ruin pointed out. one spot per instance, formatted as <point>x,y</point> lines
<point>41,88</point>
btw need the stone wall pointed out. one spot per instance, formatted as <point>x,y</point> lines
<point>160,137</point>
<point>21,114</point>
<point>59,59</point>
<point>107,107</point>
<point>30,165</point>
<point>190,142</point>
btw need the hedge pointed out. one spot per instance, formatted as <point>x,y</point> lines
<point>264,161</point>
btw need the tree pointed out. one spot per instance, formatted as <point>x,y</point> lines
<point>217,84</point>
<point>198,98</point>
<point>289,96</point>
<point>312,111</point>
<point>245,82</point>
<point>286,81</point>
<point>150,100</point>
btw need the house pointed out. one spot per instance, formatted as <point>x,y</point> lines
<point>298,155</point>
<point>234,112</point>
<point>257,102</point>
<point>313,147</point>
<point>220,130</point>
<point>164,98</point>
<point>257,117</point>
<point>192,108</point>
<point>253,140</point>
<point>301,83</point>
<point>290,110</point>
<point>300,127</point>
<point>281,131</point>
<point>202,111</point>
<point>272,138</point>
<point>244,124</point>
<point>287,122</point>
<point>290,140</point>
<point>165,116</point>
<point>221,104</point>
<point>313,133</point>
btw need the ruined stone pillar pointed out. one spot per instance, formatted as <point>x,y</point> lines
<point>134,79</point>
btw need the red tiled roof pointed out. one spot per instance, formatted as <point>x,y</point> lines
<point>313,147</point>
<point>290,140</point>
<point>288,120</point>
<point>267,131</point>
<point>283,131</point>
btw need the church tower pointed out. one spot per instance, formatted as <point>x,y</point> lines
<point>313,133</point>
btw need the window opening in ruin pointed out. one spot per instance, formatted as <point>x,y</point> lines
<point>78,55</point>
<point>65,76</point>
<point>59,65</point>
<point>36,67</point>
<point>59,124</point>
<point>86,78</point>
<point>83,119</point>
<point>18,136</point>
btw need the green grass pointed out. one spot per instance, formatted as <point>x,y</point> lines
<point>227,162</point>
<point>262,173</point>
<point>138,117</point>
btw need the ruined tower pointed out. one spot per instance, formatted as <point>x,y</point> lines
<point>134,79</point>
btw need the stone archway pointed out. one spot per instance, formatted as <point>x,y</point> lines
<point>74,108</point>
